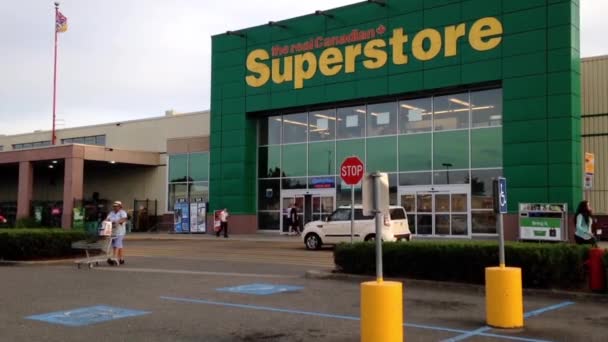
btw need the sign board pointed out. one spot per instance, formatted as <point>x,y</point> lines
<point>368,195</point>
<point>500,195</point>
<point>589,163</point>
<point>351,170</point>
<point>543,221</point>
<point>588,182</point>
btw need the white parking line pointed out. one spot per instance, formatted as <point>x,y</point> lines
<point>206,273</point>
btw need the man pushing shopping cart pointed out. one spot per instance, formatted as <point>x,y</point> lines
<point>119,218</point>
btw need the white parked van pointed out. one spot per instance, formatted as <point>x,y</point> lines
<point>336,228</point>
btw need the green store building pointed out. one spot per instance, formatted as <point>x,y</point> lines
<point>443,95</point>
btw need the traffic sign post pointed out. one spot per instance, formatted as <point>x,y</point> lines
<point>504,297</point>
<point>381,301</point>
<point>351,172</point>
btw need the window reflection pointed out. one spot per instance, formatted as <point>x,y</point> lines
<point>270,130</point>
<point>381,119</point>
<point>415,116</point>
<point>295,128</point>
<point>351,122</point>
<point>486,108</point>
<point>451,111</point>
<point>322,125</point>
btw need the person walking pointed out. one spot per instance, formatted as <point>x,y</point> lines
<point>118,217</point>
<point>294,219</point>
<point>223,223</point>
<point>584,221</point>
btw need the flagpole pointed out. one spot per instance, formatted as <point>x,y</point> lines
<point>53,137</point>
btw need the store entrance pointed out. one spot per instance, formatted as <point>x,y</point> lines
<point>441,210</point>
<point>311,205</point>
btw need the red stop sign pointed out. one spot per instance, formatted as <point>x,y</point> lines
<point>351,170</point>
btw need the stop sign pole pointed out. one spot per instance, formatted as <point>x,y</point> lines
<point>351,172</point>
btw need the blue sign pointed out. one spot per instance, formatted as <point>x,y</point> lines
<point>322,182</point>
<point>261,289</point>
<point>86,316</point>
<point>502,195</point>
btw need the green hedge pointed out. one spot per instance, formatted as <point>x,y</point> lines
<point>543,265</point>
<point>36,244</point>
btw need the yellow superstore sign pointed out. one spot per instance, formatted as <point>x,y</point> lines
<point>296,63</point>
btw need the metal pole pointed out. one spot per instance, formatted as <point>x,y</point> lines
<point>501,241</point>
<point>352,212</point>
<point>53,137</point>
<point>378,214</point>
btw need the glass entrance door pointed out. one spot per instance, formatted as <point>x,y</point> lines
<point>311,205</point>
<point>437,211</point>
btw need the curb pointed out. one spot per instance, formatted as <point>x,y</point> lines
<point>558,294</point>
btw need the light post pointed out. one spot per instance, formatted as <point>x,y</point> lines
<point>447,169</point>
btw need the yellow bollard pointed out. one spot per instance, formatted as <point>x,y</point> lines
<point>504,300</point>
<point>381,311</point>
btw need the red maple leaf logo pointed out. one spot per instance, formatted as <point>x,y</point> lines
<point>381,29</point>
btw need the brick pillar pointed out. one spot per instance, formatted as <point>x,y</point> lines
<point>72,188</point>
<point>26,189</point>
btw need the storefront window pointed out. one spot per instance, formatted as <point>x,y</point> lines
<point>482,201</point>
<point>295,183</point>
<point>270,130</point>
<point>451,112</point>
<point>199,191</point>
<point>269,193</point>
<point>451,177</point>
<point>381,154</point>
<point>481,188</point>
<point>351,122</point>
<point>381,119</point>
<point>269,220</point>
<point>177,191</point>
<point>294,160</point>
<point>321,158</point>
<point>486,108</point>
<point>415,178</point>
<point>269,162</point>
<point>415,152</point>
<point>295,128</point>
<point>415,116</point>
<point>322,125</point>
<point>451,150</point>
<point>178,168</point>
<point>199,167</point>
<point>486,148</point>
<point>188,178</point>
<point>347,148</point>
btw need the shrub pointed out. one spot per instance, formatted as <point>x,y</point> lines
<point>26,222</point>
<point>32,244</point>
<point>543,265</point>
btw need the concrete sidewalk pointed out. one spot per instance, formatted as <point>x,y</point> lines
<point>260,237</point>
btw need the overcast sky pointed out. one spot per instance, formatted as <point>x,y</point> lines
<point>130,59</point>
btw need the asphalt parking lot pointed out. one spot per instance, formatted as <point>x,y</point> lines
<point>188,299</point>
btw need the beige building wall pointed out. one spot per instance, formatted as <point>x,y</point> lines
<point>595,126</point>
<point>136,135</point>
<point>173,133</point>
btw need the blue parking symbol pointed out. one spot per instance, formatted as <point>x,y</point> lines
<point>261,289</point>
<point>86,316</point>
<point>502,195</point>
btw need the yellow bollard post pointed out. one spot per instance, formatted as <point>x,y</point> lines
<point>504,299</point>
<point>381,311</point>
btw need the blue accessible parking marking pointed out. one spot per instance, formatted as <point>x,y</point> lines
<point>85,316</point>
<point>260,289</point>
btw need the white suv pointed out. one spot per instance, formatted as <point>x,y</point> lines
<point>336,228</point>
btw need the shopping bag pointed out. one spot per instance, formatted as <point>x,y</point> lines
<point>106,229</point>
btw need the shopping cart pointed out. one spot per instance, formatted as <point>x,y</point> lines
<point>102,244</point>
